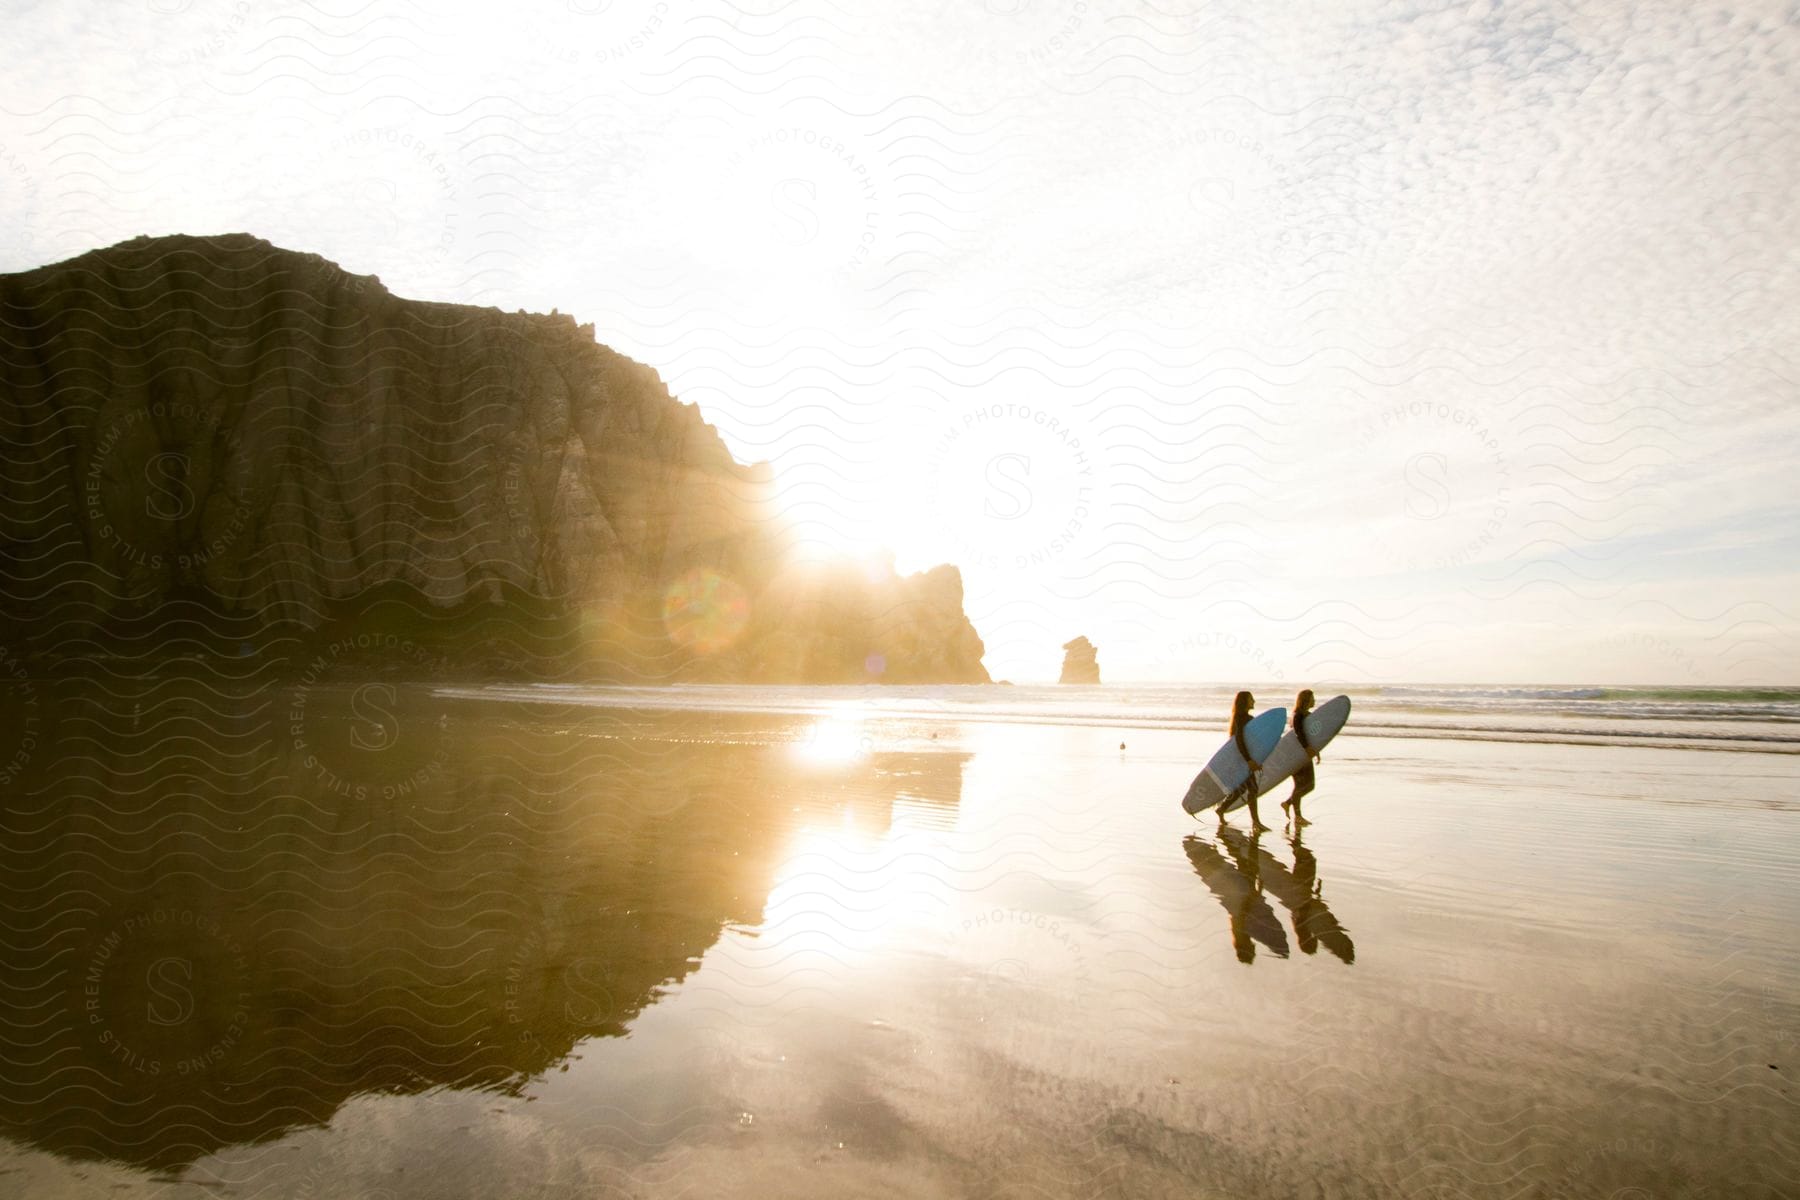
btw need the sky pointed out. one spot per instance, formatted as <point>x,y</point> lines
<point>1352,343</point>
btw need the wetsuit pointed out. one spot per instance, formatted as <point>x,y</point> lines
<point>1303,778</point>
<point>1243,748</point>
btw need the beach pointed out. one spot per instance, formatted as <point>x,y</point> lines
<point>570,942</point>
<point>613,600</point>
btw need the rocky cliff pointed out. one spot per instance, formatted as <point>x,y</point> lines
<point>213,445</point>
<point>1081,662</point>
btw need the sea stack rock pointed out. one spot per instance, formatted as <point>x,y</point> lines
<point>1081,662</point>
<point>215,446</point>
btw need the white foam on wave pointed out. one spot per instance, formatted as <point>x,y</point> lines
<point>1765,719</point>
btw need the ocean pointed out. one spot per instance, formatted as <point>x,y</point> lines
<point>1764,719</point>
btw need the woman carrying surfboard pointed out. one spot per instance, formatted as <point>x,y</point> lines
<point>1240,717</point>
<point>1303,778</point>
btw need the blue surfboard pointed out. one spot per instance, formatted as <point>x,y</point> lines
<point>1322,724</point>
<point>1226,771</point>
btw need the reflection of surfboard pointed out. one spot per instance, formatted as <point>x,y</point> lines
<point>1314,923</point>
<point>1227,769</point>
<point>1252,920</point>
<point>1322,724</point>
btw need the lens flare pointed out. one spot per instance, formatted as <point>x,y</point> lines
<point>704,611</point>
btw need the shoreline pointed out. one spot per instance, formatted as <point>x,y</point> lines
<point>874,705</point>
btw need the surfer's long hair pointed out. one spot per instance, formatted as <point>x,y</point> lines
<point>1240,709</point>
<point>1303,703</point>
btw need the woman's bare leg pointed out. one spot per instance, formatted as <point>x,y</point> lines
<point>1255,820</point>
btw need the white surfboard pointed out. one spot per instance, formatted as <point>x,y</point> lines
<point>1227,769</point>
<point>1322,724</point>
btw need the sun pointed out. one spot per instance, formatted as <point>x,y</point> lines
<point>822,525</point>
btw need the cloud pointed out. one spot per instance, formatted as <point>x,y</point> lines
<point>1476,310</point>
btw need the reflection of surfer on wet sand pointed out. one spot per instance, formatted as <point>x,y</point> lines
<point>1240,892</point>
<point>1298,890</point>
<point>1313,921</point>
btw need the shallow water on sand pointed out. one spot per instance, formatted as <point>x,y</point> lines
<point>467,947</point>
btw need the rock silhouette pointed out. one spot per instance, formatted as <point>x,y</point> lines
<point>217,446</point>
<point>1081,662</point>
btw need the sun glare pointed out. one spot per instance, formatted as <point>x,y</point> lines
<point>823,536</point>
<point>841,891</point>
<point>837,739</point>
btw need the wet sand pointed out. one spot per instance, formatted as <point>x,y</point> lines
<point>561,952</point>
